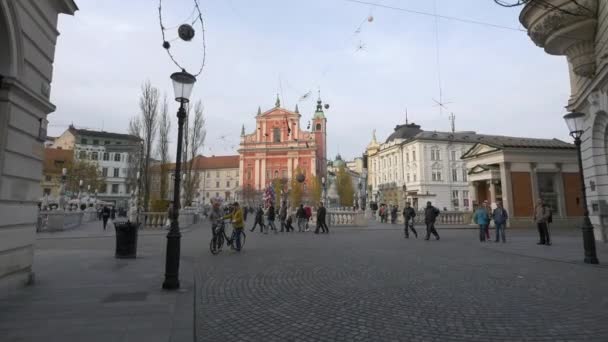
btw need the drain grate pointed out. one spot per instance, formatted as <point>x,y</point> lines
<point>126,297</point>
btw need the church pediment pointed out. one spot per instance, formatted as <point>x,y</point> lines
<point>479,149</point>
<point>279,113</point>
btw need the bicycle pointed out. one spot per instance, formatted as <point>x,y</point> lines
<point>217,241</point>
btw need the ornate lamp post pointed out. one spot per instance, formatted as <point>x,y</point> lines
<point>575,123</point>
<point>323,182</point>
<point>64,176</point>
<point>80,186</point>
<point>183,83</point>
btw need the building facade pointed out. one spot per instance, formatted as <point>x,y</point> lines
<point>279,147</point>
<point>579,31</point>
<point>114,153</point>
<point>520,171</point>
<point>28,34</point>
<point>417,166</point>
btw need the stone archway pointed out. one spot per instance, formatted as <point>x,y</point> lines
<point>8,46</point>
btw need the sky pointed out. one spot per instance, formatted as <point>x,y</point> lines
<point>495,81</point>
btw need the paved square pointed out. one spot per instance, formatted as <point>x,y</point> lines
<point>374,285</point>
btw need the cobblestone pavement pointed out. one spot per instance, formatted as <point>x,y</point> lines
<point>366,285</point>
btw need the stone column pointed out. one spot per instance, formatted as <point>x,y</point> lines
<point>289,168</point>
<point>507,187</point>
<point>263,171</point>
<point>492,193</point>
<point>472,193</point>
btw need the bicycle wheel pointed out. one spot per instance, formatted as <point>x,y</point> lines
<point>243,237</point>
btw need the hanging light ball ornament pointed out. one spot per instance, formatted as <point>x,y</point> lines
<point>185,32</point>
<point>326,106</point>
<point>370,18</point>
<point>166,45</point>
<point>301,178</point>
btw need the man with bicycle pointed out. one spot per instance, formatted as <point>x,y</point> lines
<point>408,217</point>
<point>216,216</point>
<point>237,223</point>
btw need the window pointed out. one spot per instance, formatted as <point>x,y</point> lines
<point>435,155</point>
<point>46,192</point>
<point>436,176</point>
<point>227,184</point>
<point>276,135</point>
<point>414,177</point>
<point>103,188</point>
<point>83,141</point>
<point>95,142</point>
<point>114,188</point>
<point>414,155</point>
<point>454,175</point>
<point>116,172</point>
<point>465,198</point>
<point>408,177</point>
<point>104,172</point>
<point>318,127</point>
<point>117,157</point>
<point>82,155</point>
<point>94,156</point>
<point>47,178</point>
<point>453,155</point>
<point>107,142</point>
<point>217,184</point>
<point>455,198</point>
<point>208,174</point>
<point>217,174</point>
<point>106,156</point>
<point>464,175</point>
<point>285,174</point>
<point>276,174</point>
<point>407,157</point>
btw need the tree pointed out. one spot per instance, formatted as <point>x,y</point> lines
<point>279,186</point>
<point>148,105</point>
<point>316,189</point>
<point>134,159</point>
<point>193,142</point>
<point>88,172</point>
<point>296,192</point>
<point>162,152</point>
<point>345,187</point>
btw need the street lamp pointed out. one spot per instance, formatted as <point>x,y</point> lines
<point>323,180</point>
<point>64,176</point>
<point>575,123</point>
<point>183,83</point>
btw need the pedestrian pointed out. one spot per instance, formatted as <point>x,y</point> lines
<point>408,217</point>
<point>105,215</point>
<point>488,209</point>
<point>308,211</point>
<point>500,217</point>
<point>321,214</point>
<point>271,218</point>
<point>237,224</point>
<point>430,216</point>
<point>288,221</point>
<point>301,218</point>
<point>259,219</point>
<point>113,213</point>
<point>541,217</point>
<point>283,215</point>
<point>245,211</point>
<point>394,213</point>
<point>481,218</point>
<point>216,216</point>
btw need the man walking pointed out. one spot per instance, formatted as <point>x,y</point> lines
<point>105,215</point>
<point>308,211</point>
<point>301,218</point>
<point>283,215</point>
<point>271,217</point>
<point>321,213</point>
<point>408,217</point>
<point>500,217</point>
<point>259,219</point>
<point>541,216</point>
<point>430,216</point>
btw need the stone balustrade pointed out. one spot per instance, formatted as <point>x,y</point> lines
<point>153,219</point>
<point>58,220</point>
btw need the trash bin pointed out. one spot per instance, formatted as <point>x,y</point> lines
<point>126,240</point>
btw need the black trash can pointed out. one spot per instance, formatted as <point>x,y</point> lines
<point>126,240</point>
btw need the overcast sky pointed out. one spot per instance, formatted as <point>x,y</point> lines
<point>497,81</point>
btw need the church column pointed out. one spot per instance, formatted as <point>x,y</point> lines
<point>296,162</point>
<point>313,166</point>
<point>289,167</point>
<point>507,187</point>
<point>257,174</point>
<point>263,175</point>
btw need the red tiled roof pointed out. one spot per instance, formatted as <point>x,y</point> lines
<point>56,159</point>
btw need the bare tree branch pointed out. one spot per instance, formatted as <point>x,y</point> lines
<point>148,105</point>
<point>195,138</point>
<point>164,128</point>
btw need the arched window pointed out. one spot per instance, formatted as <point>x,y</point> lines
<point>276,174</point>
<point>276,133</point>
<point>318,127</point>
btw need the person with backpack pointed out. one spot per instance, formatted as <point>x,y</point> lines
<point>408,217</point>
<point>259,220</point>
<point>301,218</point>
<point>482,218</point>
<point>430,216</point>
<point>500,217</point>
<point>542,215</point>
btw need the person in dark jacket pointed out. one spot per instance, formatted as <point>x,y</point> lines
<point>105,215</point>
<point>394,213</point>
<point>288,225</point>
<point>500,217</point>
<point>430,216</point>
<point>408,217</point>
<point>301,218</point>
<point>271,218</point>
<point>283,216</point>
<point>321,213</point>
<point>113,213</point>
<point>259,220</point>
<point>308,211</point>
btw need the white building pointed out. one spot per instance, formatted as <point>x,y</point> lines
<point>111,152</point>
<point>419,166</point>
<point>583,39</point>
<point>28,34</point>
